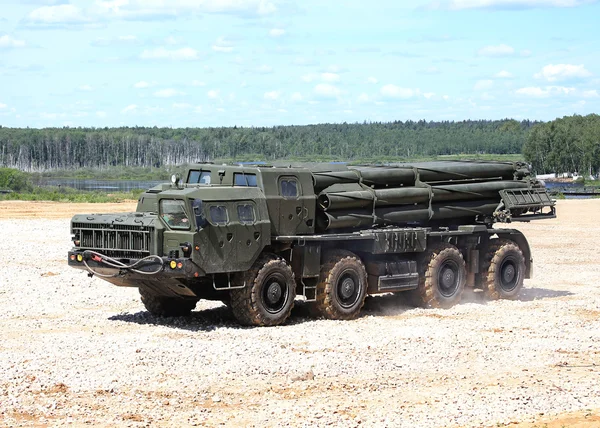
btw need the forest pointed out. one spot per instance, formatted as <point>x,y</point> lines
<point>71,148</point>
<point>568,144</point>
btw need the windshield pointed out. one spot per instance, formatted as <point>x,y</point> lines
<point>173,213</point>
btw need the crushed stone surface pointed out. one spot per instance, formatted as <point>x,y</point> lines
<point>78,350</point>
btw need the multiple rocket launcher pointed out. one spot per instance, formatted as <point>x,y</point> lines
<point>421,193</point>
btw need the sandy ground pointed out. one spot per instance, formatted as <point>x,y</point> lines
<point>57,210</point>
<point>76,350</point>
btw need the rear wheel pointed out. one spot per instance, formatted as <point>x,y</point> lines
<point>503,270</point>
<point>268,296</point>
<point>162,306</point>
<point>342,286</point>
<point>442,277</point>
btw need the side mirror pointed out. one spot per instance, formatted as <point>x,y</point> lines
<point>175,180</point>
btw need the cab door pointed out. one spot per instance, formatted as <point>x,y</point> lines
<point>221,237</point>
<point>291,205</point>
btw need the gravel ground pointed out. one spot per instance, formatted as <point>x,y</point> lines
<point>77,350</point>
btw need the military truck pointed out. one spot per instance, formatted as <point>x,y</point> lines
<point>256,237</point>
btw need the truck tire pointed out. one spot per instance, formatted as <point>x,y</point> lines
<point>268,297</point>
<point>342,286</point>
<point>442,277</point>
<point>162,306</point>
<point>503,270</point>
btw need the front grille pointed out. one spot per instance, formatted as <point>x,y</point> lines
<point>121,241</point>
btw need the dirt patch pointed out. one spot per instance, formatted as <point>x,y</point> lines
<point>56,210</point>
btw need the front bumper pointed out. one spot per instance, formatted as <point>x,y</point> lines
<point>168,269</point>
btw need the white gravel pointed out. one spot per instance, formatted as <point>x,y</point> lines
<point>78,350</point>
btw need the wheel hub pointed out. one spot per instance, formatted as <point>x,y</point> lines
<point>347,288</point>
<point>508,273</point>
<point>448,277</point>
<point>274,293</point>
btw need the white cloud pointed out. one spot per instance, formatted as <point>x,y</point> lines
<point>304,62</point>
<point>548,91</point>
<point>142,84</point>
<point>481,85</point>
<point>525,52</point>
<point>310,77</point>
<point>86,88</point>
<point>393,91</point>
<point>145,9</point>
<point>327,90</point>
<point>120,40</point>
<point>503,75</point>
<point>56,15</point>
<point>182,106</point>
<point>334,68</point>
<point>101,113</point>
<point>557,72</point>
<point>429,95</point>
<point>213,94</point>
<point>272,95</point>
<point>3,105</point>
<point>363,98</point>
<point>223,45</point>
<point>170,40</point>
<point>168,93</point>
<point>182,54</point>
<point>129,109</point>
<point>296,96</point>
<point>264,69</point>
<point>496,51</point>
<point>432,70</point>
<point>372,80</point>
<point>198,83</point>
<point>330,77</point>
<point>506,4</point>
<point>590,94</point>
<point>7,41</point>
<point>277,32</point>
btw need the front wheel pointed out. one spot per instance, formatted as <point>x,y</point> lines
<point>342,286</point>
<point>442,277</point>
<point>268,295</point>
<point>503,270</point>
<point>162,306</point>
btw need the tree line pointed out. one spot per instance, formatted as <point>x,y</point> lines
<point>70,148</point>
<point>568,144</point>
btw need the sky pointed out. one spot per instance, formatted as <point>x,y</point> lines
<point>201,63</point>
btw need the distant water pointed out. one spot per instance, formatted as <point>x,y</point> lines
<point>564,188</point>
<point>104,185</point>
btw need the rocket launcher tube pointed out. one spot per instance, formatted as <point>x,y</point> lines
<point>408,174</point>
<point>407,214</point>
<point>342,200</point>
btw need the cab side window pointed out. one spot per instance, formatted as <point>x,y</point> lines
<point>288,188</point>
<point>173,214</point>
<point>218,214</point>
<point>243,179</point>
<point>199,177</point>
<point>245,213</point>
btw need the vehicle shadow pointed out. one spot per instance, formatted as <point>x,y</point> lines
<point>382,305</point>
<point>205,320</point>
<point>209,319</point>
<point>530,294</point>
<point>471,295</point>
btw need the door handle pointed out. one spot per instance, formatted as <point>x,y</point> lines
<point>305,214</point>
